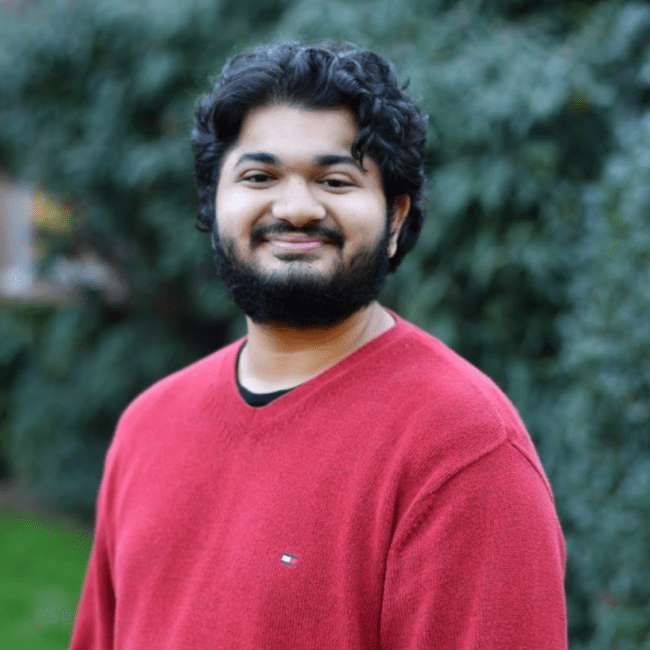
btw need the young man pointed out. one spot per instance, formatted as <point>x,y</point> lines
<point>339,478</point>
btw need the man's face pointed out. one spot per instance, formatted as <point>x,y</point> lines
<point>302,234</point>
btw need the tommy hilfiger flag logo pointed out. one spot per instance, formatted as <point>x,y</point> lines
<point>289,560</point>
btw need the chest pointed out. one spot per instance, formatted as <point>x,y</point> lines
<point>276,529</point>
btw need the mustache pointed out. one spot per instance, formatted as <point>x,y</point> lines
<point>322,232</point>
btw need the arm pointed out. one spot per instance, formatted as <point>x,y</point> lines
<point>479,564</point>
<point>93,629</point>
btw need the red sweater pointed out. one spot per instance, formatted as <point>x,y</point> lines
<point>394,501</point>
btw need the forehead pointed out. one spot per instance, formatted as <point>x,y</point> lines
<point>297,133</point>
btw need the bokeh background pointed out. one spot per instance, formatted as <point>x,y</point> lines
<point>534,262</point>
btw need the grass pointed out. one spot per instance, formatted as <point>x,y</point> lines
<point>42,565</point>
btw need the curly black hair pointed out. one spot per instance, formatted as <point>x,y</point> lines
<point>391,127</point>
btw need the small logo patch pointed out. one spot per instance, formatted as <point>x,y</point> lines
<point>289,560</point>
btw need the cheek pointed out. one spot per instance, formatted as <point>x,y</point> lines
<point>231,206</point>
<point>367,216</point>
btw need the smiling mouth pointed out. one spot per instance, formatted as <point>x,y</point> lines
<point>290,239</point>
<point>296,245</point>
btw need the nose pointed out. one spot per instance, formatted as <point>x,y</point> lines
<point>297,203</point>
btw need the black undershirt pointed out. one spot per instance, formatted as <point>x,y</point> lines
<point>260,399</point>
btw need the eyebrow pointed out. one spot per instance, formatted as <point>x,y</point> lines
<point>334,159</point>
<point>325,160</point>
<point>258,156</point>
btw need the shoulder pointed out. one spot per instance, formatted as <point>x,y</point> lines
<point>463,445</point>
<point>176,396</point>
<point>198,376</point>
<point>450,408</point>
<point>433,378</point>
<point>424,359</point>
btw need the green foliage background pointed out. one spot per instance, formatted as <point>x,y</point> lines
<point>534,262</point>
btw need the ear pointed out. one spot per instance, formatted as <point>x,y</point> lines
<point>401,208</point>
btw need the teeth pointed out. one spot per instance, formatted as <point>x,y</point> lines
<point>297,245</point>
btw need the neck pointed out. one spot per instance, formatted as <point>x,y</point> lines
<point>277,357</point>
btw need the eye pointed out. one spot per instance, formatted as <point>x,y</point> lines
<point>257,177</point>
<point>337,183</point>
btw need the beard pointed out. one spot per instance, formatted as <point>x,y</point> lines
<point>298,296</point>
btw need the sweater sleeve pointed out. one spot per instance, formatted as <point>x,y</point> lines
<point>93,629</point>
<point>479,564</point>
